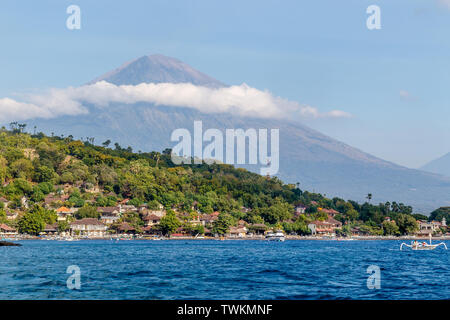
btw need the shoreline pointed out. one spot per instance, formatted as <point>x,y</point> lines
<point>288,238</point>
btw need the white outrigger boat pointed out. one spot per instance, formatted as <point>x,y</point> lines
<point>416,245</point>
<point>277,236</point>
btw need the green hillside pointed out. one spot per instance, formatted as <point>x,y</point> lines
<point>32,166</point>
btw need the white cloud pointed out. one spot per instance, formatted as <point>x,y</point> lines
<point>312,112</point>
<point>240,100</point>
<point>47,106</point>
<point>12,110</point>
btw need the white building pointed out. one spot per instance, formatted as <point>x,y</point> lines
<point>429,227</point>
<point>109,215</point>
<point>90,227</point>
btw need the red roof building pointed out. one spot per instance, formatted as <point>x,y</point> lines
<point>326,227</point>
<point>7,230</point>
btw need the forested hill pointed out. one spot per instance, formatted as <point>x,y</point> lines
<point>34,165</point>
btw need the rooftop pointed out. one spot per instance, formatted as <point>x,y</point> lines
<point>87,221</point>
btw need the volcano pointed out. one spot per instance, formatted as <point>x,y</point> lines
<point>317,162</point>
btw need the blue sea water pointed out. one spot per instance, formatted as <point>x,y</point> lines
<point>209,269</point>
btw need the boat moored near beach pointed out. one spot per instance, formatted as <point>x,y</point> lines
<point>277,236</point>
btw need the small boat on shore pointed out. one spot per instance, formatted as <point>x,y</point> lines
<point>277,236</point>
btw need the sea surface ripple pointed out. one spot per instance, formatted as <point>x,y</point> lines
<point>233,269</point>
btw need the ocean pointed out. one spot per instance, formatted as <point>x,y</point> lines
<point>230,269</point>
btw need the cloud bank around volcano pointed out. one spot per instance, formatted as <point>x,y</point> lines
<point>239,100</point>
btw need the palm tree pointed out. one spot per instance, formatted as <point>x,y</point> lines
<point>369,197</point>
<point>106,143</point>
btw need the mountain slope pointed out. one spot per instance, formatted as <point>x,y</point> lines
<point>319,163</point>
<point>157,69</point>
<point>439,166</point>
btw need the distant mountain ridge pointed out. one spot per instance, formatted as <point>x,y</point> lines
<point>318,162</point>
<point>439,166</point>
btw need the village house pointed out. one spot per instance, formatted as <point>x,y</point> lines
<point>151,220</point>
<point>300,209</point>
<point>63,188</point>
<point>11,215</point>
<point>151,230</point>
<point>429,227</point>
<point>330,212</point>
<point>50,229</point>
<point>237,232</point>
<point>207,219</point>
<point>89,227</point>
<point>258,228</point>
<point>109,215</point>
<point>63,213</point>
<point>357,232</point>
<point>242,223</point>
<point>125,228</point>
<point>127,208</point>
<point>6,230</point>
<point>195,221</point>
<point>327,227</point>
<point>52,200</point>
<point>158,212</point>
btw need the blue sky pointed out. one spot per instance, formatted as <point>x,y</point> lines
<point>394,81</point>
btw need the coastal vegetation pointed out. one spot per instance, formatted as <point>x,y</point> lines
<point>35,166</point>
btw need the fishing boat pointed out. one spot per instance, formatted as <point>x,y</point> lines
<point>416,245</point>
<point>277,236</point>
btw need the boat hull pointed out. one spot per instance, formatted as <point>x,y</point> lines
<point>276,239</point>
